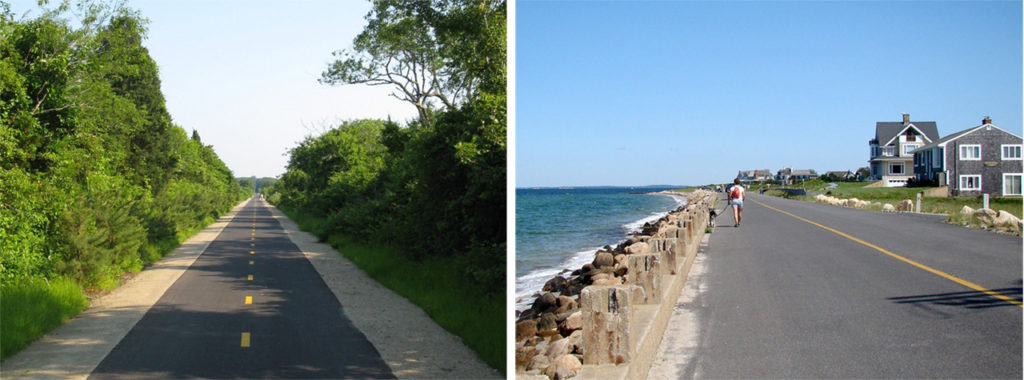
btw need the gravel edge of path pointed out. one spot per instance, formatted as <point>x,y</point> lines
<point>411,343</point>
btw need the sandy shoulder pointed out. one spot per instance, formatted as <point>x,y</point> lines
<point>411,343</point>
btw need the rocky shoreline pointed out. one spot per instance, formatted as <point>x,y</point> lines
<point>549,336</point>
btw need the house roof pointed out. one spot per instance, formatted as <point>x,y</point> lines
<point>957,135</point>
<point>839,173</point>
<point>886,131</point>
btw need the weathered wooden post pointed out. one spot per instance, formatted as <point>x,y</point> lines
<point>607,310</point>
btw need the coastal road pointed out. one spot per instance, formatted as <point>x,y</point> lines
<point>252,306</point>
<point>806,290</point>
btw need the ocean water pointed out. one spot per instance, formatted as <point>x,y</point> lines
<point>558,229</point>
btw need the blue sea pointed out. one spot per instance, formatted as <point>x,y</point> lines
<point>561,228</point>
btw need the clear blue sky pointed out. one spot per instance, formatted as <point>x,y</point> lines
<point>244,73</point>
<point>688,93</point>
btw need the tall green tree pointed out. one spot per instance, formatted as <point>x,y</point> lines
<point>435,54</point>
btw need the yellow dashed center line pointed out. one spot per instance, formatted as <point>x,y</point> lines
<point>248,300</point>
<point>904,259</point>
<point>252,252</point>
<point>250,262</point>
<point>250,277</point>
<point>245,339</point>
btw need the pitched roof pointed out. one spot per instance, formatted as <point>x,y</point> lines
<point>885,131</point>
<point>957,135</point>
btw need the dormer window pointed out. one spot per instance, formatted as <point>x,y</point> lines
<point>911,137</point>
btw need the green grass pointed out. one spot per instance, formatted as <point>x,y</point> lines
<point>949,206</point>
<point>435,285</point>
<point>30,307</point>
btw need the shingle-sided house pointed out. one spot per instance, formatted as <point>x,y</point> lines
<point>751,176</point>
<point>982,159</point>
<point>891,156</point>
<point>789,175</point>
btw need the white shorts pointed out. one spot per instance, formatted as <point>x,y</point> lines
<point>738,203</point>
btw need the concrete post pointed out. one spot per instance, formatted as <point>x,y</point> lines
<point>666,247</point>
<point>645,271</point>
<point>606,314</point>
<point>917,206</point>
<point>984,200</point>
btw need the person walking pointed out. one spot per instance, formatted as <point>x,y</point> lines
<point>736,196</point>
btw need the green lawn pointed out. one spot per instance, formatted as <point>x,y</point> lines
<point>892,195</point>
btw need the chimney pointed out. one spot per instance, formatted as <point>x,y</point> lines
<point>906,118</point>
<point>986,120</point>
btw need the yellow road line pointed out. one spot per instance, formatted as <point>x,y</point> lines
<point>904,259</point>
<point>245,339</point>
<point>250,277</point>
<point>252,252</point>
<point>248,300</point>
<point>250,262</point>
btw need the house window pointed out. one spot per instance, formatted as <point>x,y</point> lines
<point>896,168</point>
<point>1011,184</point>
<point>907,148</point>
<point>970,182</point>
<point>1011,152</point>
<point>911,136</point>
<point>970,152</point>
<point>890,151</point>
<point>939,157</point>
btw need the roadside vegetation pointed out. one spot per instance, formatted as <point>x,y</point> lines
<point>95,180</point>
<point>936,205</point>
<point>419,206</point>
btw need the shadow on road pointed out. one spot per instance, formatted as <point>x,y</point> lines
<point>969,300</point>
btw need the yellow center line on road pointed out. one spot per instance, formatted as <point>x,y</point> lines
<point>251,262</point>
<point>904,259</point>
<point>252,252</point>
<point>250,277</point>
<point>248,300</point>
<point>245,339</point>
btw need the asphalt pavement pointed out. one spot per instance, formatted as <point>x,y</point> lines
<point>251,306</point>
<point>806,290</point>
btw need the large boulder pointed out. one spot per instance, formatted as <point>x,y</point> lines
<point>985,217</point>
<point>526,329</point>
<point>905,205</point>
<point>558,348</point>
<point>565,304</point>
<point>564,367</point>
<point>546,303</point>
<point>547,326</point>
<point>638,249</point>
<point>523,355</point>
<point>557,284</point>
<point>539,362</point>
<point>967,210</point>
<point>1006,222</point>
<point>603,259</point>
<point>888,207</point>
<point>572,323</point>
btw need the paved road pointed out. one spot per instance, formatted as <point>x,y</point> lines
<point>252,306</point>
<point>782,297</point>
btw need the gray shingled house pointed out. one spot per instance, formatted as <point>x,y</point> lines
<point>982,159</point>
<point>891,156</point>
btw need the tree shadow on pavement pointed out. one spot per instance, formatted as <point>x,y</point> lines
<point>969,300</point>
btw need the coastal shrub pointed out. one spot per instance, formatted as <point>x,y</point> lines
<point>95,180</point>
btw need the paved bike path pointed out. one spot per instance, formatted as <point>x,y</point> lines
<point>780,297</point>
<point>251,306</point>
